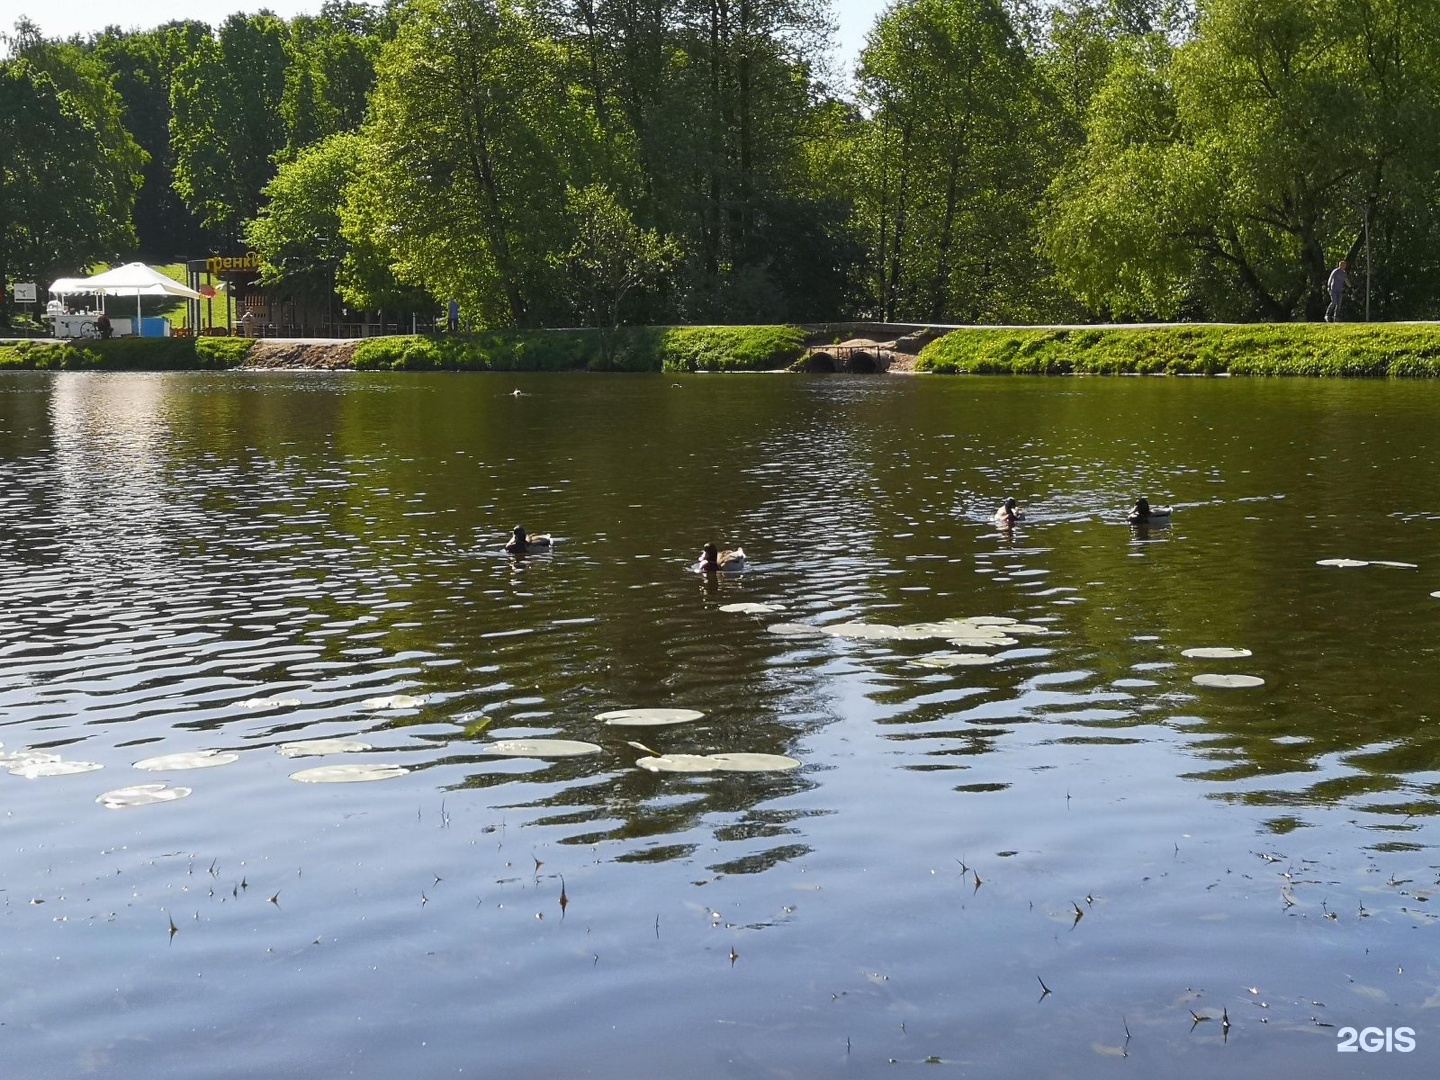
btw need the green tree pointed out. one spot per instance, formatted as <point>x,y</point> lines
<point>947,163</point>
<point>226,124</point>
<point>59,206</point>
<point>472,139</point>
<point>1226,176</point>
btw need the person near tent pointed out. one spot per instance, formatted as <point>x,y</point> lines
<point>102,325</point>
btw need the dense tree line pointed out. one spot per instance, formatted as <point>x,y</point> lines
<point>563,162</point>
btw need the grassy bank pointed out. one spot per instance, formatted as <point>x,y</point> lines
<point>125,354</point>
<point>653,348</point>
<point>1314,349</point>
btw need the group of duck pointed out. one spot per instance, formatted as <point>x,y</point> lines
<point>1142,513</point>
<point>712,559</point>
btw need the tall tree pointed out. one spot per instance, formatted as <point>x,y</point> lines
<point>472,138</point>
<point>947,164</point>
<point>226,123</point>
<point>59,207</point>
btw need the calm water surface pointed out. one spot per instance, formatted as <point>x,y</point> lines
<point>232,563</point>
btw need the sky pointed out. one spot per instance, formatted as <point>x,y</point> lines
<point>62,18</point>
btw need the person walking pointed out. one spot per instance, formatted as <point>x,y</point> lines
<point>1339,282</point>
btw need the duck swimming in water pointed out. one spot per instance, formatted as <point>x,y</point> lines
<point>1145,514</point>
<point>713,560</point>
<point>1008,514</point>
<point>522,544</point>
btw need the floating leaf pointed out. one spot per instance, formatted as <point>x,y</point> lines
<point>752,608</point>
<point>795,629</point>
<point>26,757</point>
<point>690,763</point>
<point>864,631</point>
<point>648,717</point>
<point>540,748</point>
<point>1395,565</point>
<point>140,795</point>
<point>1341,562</point>
<point>198,759</point>
<point>992,620</point>
<point>1027,629</point>
<point>33,770</point>
<point>348,774</point>
<point>984,643</point>
<point>269,703</point>
<point>1229,681</point>
<point>954,659</point>
<point>1217,653</point>
<point>754,762</point>
<point>316,747</point>
<point>1436,594</point>
<point>394,701</point>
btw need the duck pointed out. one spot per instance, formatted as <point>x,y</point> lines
<point>1008,514</point>
<point>712,559</point>
<point>520,543</point>
<point>1145,514</point>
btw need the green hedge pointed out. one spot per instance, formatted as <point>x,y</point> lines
<point>1313,349</point>
<point>125,354</point>
<point>677,348</point>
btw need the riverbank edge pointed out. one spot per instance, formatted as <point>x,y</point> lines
<point>1408,350</point>
<point>1284,349</point>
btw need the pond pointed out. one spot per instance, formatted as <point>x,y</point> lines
<point>1029,853</point>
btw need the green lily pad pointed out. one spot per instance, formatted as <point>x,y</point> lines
<point>795,630</point>
<point>348,774</point>
<point>394,701</point>
<point>1228,681</point>
<point>33,770</point>
<point>750,608</point>
<point>316,747</point>
<point>198,759</point>
<point>954,659</point>
<point>1216,653</point>
<point>687,763</point>
<point>540,748</point>
<point>754,762</point>
<point>648,717</point>
<point>140,795</point>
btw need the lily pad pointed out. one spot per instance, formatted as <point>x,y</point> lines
<point>1436,594</point>
<point>954,659</point>
<point>348,774</point>
<point>750,608</point>
<point>394,701</point>
<point>754,762</point>
<point>1027,629</point>
<point>999,642</point>
<point>1348,563</point>
<point>1216,653</point>
<point>269,703</point>
<point>795,630</point>
<point>32,770</point>
<point>541,748</point>
<point>141,795</point>
<point>1394,565</point>
<point>691,763</point>
<point>1228,681</point>
<point>864,631</point>
<point>992,620</point>
<point>316,747</point>
<point>198,759</point>
<point>648,717</point>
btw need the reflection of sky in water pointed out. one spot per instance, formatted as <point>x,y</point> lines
<point>234,563</point>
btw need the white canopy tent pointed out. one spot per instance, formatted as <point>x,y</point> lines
<point>137,280</point>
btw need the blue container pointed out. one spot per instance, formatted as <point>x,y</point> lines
<point>154,326</point>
